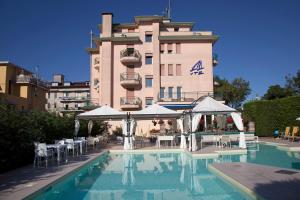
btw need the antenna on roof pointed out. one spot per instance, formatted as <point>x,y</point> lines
<point>169,10</point>
<point>92,34</point>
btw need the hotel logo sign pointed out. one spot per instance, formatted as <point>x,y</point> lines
<point>197,69</point>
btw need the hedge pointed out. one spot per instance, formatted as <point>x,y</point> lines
<point>271,114</point>
<point>18,131</point>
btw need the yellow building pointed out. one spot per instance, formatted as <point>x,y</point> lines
<point>21,88</point>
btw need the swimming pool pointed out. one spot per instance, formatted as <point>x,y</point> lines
<point>153,176</point>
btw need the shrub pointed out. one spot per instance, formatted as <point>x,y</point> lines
<point>18,131</point>
<point>271,114</point>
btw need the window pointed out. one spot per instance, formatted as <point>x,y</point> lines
<point>76,105</point>
<point>66,107</point>
<point>162,48</point>
<point>48,105</point>
<point>66,94</point>
<point>176,29</point>
<point>170,92</point>
<point>178,92</point>
<point>162,92</point>
<point>148,37</point>
<point>178,69</point>
<point>170,48</point>
<point>170,69</point>
<point>148,60</point>
<point>54,105</point>
<point>178,48</point>
<point>149,101</point>
<point>48,95</point>
<point>162,70</point>
<point>149,82</point>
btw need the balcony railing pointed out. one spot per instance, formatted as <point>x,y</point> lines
<point>130,79</point>
<point>130,55</point>
<point>185,96</point>
<point>31,79</point>
<point>74,98</point>
<point>130,102</point>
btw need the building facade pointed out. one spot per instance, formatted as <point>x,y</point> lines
<point>151,60</point>
<point>21,88</point>
<point>66,97</point>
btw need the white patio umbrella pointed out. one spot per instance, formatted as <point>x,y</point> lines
<point>90,127</point>
<point>104,112</point>
<point>77,126</point>
<point>298,118</point>
<point>155,111</point>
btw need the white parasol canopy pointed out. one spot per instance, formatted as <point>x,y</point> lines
<point>104,112</point>
<point>298,118</point>
<point>211,106</point>
<point>90,127</point>
<point>155,111</point>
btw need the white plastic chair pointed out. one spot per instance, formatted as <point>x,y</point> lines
<point>40,150</point>
<point>71,145</point>
<point>225,141</point>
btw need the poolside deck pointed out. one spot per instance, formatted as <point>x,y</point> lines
<point>21,182</point>
<point>259,181</point>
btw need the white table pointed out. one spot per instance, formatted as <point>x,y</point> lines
<point>58,148</point>
<point>165,138</point>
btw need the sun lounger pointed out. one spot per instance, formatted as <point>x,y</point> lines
<point>286,134</point>
<point>251,137</point>
<point>295,134</point>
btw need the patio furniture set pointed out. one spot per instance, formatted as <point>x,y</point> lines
<point>61,149</point>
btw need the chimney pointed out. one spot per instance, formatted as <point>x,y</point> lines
<point>106,24</point>
<point>58,78</point>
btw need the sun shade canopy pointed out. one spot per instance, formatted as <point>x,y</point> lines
<point>104,112</point>
<point>155,111</point>
<point>211,106</point>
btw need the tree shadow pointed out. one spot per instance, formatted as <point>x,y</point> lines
<point>287,190</point>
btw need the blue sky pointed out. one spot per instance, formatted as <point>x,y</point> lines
<point>259,39</point>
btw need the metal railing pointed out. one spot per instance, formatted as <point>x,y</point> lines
<point>186,96</point>
<point>31,79</point>
<point>74,98</point>
<point>130,101</point>
<point>130,53</point>
<point>130,76</point>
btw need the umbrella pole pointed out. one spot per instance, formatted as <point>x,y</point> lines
<point>191,125</point>
<point>128,126</point>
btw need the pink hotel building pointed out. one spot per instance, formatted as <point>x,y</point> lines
<point>151,60</point>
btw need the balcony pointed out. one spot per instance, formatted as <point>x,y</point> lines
<point>74,99</point>
<point>31,79</point>
<point>128,103</point>
<point>130,56</point>
<point>215,60</point>
<point>183,96</point>
<point>130,80</point>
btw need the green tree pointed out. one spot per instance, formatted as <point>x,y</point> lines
<point>275,92</point>
<point>293,83</point>
<point>233,93</point>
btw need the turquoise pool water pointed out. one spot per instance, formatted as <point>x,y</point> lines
<point>160,176</point>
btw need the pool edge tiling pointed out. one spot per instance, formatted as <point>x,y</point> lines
<point>260,181</point>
